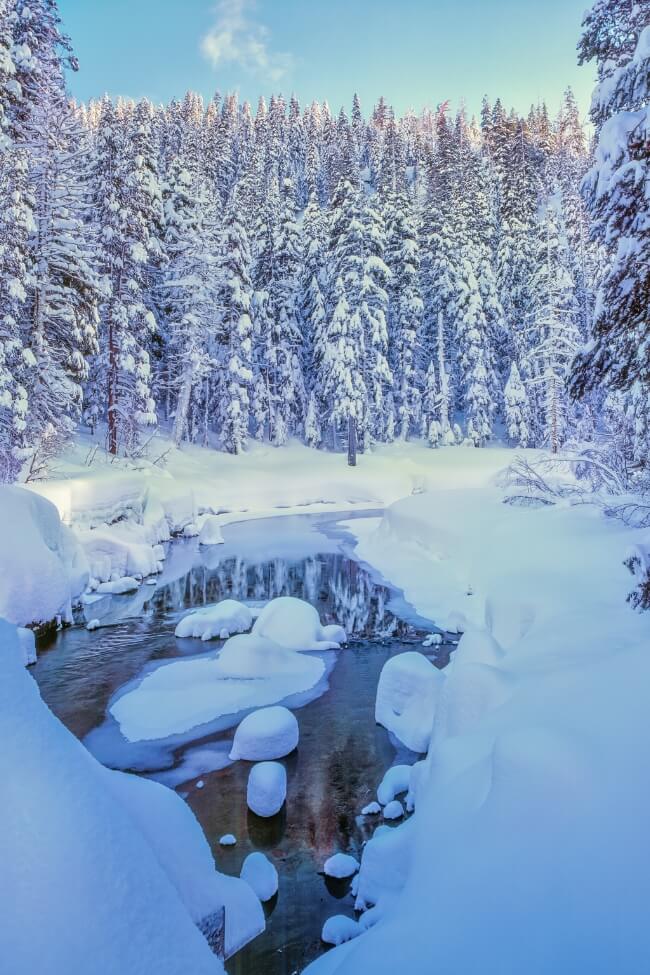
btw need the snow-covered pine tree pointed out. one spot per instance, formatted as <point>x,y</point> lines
<point>618,355</point>
<point>553,324</point>
<point>189,283</point>
<point>373,309</point>
<point>235,333</point>
<point>128,209</point>
<point>405,310</point>
<point>343,387</point>
<point>517,409</point>
<point>473,355</point>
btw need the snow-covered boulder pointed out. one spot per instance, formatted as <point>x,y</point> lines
<point>339,928</point>
<point>91,840</point>
<point>267,788</point>
<point>341,866</point>
<point>218,621</point>
<point>210,533</point>
<point>95,499</point>
<point>42,568</point>
<point>295,624</point>
<point>260,874</point>
<point>227,840</point>
<point>178,503</point>
<point>406,698</point>
<point>393,810</point>
<point>117,551</point>
<point>266,734</point>
<point>372,809</point>
<point>396,781</point>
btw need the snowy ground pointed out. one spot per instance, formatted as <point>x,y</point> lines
<point>528,847</point>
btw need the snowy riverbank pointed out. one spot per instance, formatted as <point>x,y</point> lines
<point>114,519</point>
<point>528,848</point>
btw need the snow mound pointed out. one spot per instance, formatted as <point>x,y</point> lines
<point>42,569</point>
<point>339,928</point>
<point>406,698</point>
<point>341,866</point>
<point>295,624</point>
<point>267,788</point>
<point>218,621</point>
<point>227,840</point>
<point>116,551</point>
<point>372,809</point>
<point>260,874</point>
<point>210,533</point>
<point>266,734</point>
<point>393,810</point>
<point>248,672</point>
<point>152,855</point>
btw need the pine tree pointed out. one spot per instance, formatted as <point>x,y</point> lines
<point>517,409</point>
<point>235,333</point>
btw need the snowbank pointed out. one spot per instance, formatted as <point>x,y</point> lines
<point>87,843</point>
<point>248,672</point>
<point>218,621</point>
<point>539,745</point>
<point>295,624</point>
<point>265,734</point>
<point>42,569</point>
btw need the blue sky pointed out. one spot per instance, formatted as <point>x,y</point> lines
<point>416,53</point>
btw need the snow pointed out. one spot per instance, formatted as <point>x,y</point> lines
<point>227,840</point>
<point>341,865</point>
<point>267,788</point>
<point>396,781</point>
<point>42,569</point>
<point>248,672</point>
<point>86,841</point>
<point>406,698</point>
<point>118,586</point>
<point>339,929</point>
<point>538,746</point>
<point>220,620</point>
<point>260,875</point>
<point>210,533</point>
<point>294,623</point>
<point>266,734</point>
<point>393,810</point>
<point>372,809</point>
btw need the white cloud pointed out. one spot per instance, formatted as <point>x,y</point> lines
<point>236,38</point>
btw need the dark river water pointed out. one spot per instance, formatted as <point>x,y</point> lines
<point>342,753</point>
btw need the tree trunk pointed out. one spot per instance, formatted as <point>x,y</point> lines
<point>352,442</point>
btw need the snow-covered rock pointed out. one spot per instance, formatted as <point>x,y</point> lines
<point>260,874</point>
<point>248,672</point>
<point>407,693</point>
<point>393,810</point>
<point>210,533</point>
<point>227,840</point>
<point>341,866</point>
<point>152,856</point>
<point>267,788</point>
<point>42,569</point>
<point>339,928</point>
<point>396,780</point>
<point>266,734</point>
<point>372,809</point>
<point>218,621</point>
<point>122,550</point>
<point>295,624</point>
<point>94,499</point>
